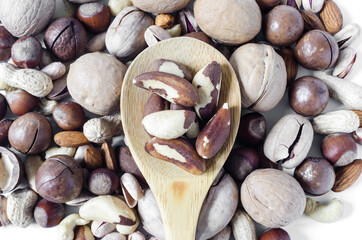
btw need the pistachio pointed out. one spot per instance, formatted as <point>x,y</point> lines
<point>347,35</point>
<point>314,6</point>
<point>347,57</point>
<point>293,3</point>
<point>136,236</point>
<point>101,229</point>
<point>187,21</point>
<point>54,70</point>
<point>131,189</point>
<point>155,34</point>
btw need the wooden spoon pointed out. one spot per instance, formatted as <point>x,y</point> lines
<point>179,194</point>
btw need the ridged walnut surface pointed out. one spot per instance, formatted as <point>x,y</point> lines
<point>179,194</point>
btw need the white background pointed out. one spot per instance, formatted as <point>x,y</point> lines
<point>347,228</point>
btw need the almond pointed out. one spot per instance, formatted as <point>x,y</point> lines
<point>177,151</point>
<point>291,64</point>
<point>213,136</point>
<point>312,21</point>
<point>109,156</point>
<point>347,175</point>
<point>332,17</point>
<point>92,158</point>
<point>70,139</point>
<point>171,87</point>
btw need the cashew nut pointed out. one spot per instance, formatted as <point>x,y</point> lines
<point>70,151</point>
<point>99,130</point>
<point>46,106</point>
<point>325,213</point>
<point>67,225</point>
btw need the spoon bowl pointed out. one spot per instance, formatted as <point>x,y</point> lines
<point>179,194</point>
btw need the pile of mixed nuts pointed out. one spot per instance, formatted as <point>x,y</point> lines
<point>55,152</point>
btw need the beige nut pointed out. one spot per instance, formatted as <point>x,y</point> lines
<point>341,121</point>
<point>97,43</point>
<point>70,151</point>
<point>82,198</point>
<point>46,106</point>
<point>347,35</point>
<point>100,130</point>
<point>171,87</point>
<point>20,206</point>
<point>116,6</point>
<point>66,226</point>
<point>136,236</point>
<point>32,81</point>
<point>4,220</point>
<point>177,151</point>
<point>324,212</point>
<point>223,235</point>
<point>175,31</point>
<point>54,70</point>
<point>131,189</point>
<point>114,236</point>
<point>11,170</point>
<point>289,140</point>
<point>213,136</point>
<point>160,6</point>
<point>168,124</point>
<point>187,20</point>
<point>101,229</point>
<point>172,67</point>
<point>126,229</point>
<point>243,226</point>
<point>155,34</point>
<point>208,83</point>
<point>347,58</point>
<point>32,164</point>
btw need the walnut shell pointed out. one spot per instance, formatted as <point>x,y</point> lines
<point>272,197</point>
<point>25,18</point>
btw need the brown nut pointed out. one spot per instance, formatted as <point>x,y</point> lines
<point>97,43</point>
<point>60,89</point>
<point>265,4</point>
<point>6,41</point>
<point>283,25</point>
<point>172,67</point>
<point>128,165</point>
<point>21,102</point>
<point>27,52</point>
<point>70,139</point>
<point>213,136</point>
<point>168,124</point>
<point>200,36</point>
<point>154,104</point>
<point>347,175</point>
<point>339,149</point>
<point>308,96</point>
<point>11,169</point>
<point>3,106</point>
<point>94,16</point>
<point>317,50</point>
<point>164,20</point>
<point>264,162</point>
<point>291,64</point>
<point>83,233</point>
<point>54,70</point>
<point>102,181</point>
<point>312,21</point>
<point>69,115</point>
<point>171,87</point>
<point>4,130</point>
<point>59,179</point>
<point>275,234</point>
<point>48,214</point>
<point>207,82</point>
<point>332,17</point>
<point>252,129</point>
<point>109,156</point>
<point>66,38</point>
<point>177,151</point>
<point>30,133</point>
<point>92,158</point>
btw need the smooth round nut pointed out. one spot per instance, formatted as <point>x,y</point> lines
<point>27,52</point>
<point>21,102</point>
<point>315,175</point>
<point>69,115</point>
<point>4,130</point>
<point>164,20</point>
<point>252,129</point>
<point>48,214</point>
<point>66,38</point>
<point>3,106</point>
<point>6,41</point>
<point>317,50</point>
<point>102,181</point>
<point>95,16</point>
<point>308,96</point>
<point>283,25</point>
<point>265,4</point>
<point>59,179</point>
<point>30,133</point>
<point>275,234</point>
<point>339,149</point>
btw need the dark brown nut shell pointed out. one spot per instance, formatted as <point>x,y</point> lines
<point>59,90</point>
<point>6,41</point>
<point>30,133</point>
<point>11,169</point>
<point>315,175</point>
<point>272,197</point>
<point>4,130</point>
<point>177,151</point>
<point>200,36</point>
<point>172,67</point>
<point>3,106</point>
<point>252,129</point>
<point>312,21</point>
<point>69,115</point>
<point>48,214</point>
<point>275,234</point>
<point>21,102</point>
<point>265,4</point>
<point>27,52</point>
<point>308,96</point>
<point>317,50</point>
<point>59,179</point>
<point>95,16</point>
<point>66,38</point>
<point>102,181</point>
<point>128,165</point>
<point>291,64</point>
<point>283,25</point>
<point>154,104</point>
<point>213,136</point>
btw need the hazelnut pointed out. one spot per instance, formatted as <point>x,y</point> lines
<point>27,52</point>
<point>4,130</point>
<point>315,175</point>
<point>252,129</point>
<point>48,214</point>
<point>317,50</point>
<point>6,41</point>
<point>66,38</point>
<point>308,96</point>
<point>69,115</point>
<point>164,20</point>
<point>59,179</point>
<point>30,133</point>
<point>102,181</point>
<point>275,234</point>
<point>283,25</point>
<point>339,149</point>
<point>3,106</point>
<point>95,16</point>
<point>21,102</point>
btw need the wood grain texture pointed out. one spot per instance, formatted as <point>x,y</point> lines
<point>179,194</point>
